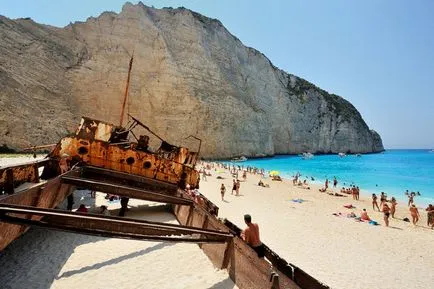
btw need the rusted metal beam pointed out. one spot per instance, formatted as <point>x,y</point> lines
<point>125,191</point>
<point>39,147</point>
<point>130,179</point>
<point>109,226</point>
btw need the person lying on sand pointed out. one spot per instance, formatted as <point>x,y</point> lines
<point>262,184</point>
<point>276,178</point>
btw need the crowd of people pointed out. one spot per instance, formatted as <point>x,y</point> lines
<point>387,207</point>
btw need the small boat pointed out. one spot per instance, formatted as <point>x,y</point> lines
<point>358,155</point>
<point>342,155</point>
<point>307,156</point>
<point>240,159</point>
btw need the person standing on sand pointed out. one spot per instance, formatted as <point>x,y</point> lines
<point>234,187</point>
<point>237,187</point>
<point>393,207</point>
<point>374,202</point>
<point>410,198</point>
<point>383,198</point>
<point>335,182</point>
<point>430,215</point>
<point>327,184</point>
<point>244,175</point>
<point>414,214</point>
<point>251,236</point>
<point>354,193</point>
<point>386,211</point>
<point>223,191</point>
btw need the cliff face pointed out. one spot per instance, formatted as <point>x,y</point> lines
<point>190,77</point>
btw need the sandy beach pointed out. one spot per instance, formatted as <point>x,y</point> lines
<point>338,251</point>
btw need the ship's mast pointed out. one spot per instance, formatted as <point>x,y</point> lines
<point>126,90</point>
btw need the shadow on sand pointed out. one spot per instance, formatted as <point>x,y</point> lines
<point>224,284</point>
<point>39,250</point>
<point>115,260</point>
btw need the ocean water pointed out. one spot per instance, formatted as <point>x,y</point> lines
<point>393,171</point>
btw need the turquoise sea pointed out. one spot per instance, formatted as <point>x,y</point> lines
<point>393,171</point>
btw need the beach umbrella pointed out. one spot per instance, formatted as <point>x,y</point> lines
<point>274,173</point>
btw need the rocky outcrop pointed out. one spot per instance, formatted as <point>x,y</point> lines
<point>190,77</point>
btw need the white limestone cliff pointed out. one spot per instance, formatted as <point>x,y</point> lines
<point>190,77</point>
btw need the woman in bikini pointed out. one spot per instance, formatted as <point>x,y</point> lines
<point>223,191</point>
<point>386,211</point>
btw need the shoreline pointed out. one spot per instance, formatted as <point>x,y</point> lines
<point>365,190</point>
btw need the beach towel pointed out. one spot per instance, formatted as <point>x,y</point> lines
<point>372,222</point>
<point>298,201</point>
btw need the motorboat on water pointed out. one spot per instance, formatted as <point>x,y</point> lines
<point>358,155</point>
<point>240,159</point>
<point>342,155</point>
<point>307,156</point>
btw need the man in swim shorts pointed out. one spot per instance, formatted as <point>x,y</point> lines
<point>251,236</point>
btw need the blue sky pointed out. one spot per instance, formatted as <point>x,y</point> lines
<point>377,54</point>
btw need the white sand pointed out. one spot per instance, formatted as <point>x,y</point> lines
<point>52,259</point>
<point>44,258</point>
<point>338,251</point>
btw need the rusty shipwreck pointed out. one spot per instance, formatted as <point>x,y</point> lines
<point>100,157</point>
